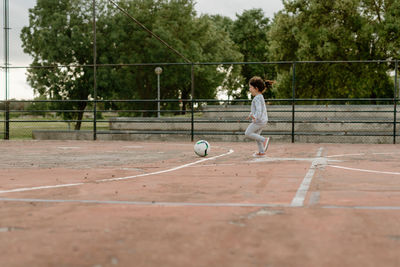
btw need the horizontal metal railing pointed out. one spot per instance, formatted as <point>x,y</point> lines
<point>198,112</point>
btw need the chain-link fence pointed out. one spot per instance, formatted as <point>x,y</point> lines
<point>338,121</point>
<point>155,101</point>
<point>86,93</point>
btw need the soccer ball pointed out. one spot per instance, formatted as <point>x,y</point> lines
<point>202,148</point>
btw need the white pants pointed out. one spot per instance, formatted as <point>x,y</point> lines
<point>253,131</point>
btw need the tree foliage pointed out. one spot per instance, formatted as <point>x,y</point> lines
<point>60,34</point>
<point>249,32</point>
<point>315,30</point>
<point>175,22</point>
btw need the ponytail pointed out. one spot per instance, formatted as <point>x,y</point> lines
<point>268,84</point>
<point>260,84</point>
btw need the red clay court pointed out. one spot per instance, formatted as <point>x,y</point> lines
<point>120,203</point>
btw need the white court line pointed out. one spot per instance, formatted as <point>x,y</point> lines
<point>301,193</point>
<point>187,204</point>
<point>363,170</point>
<point>362,154</point>
<point>363,207</point>
<point>386,153</point>
<point>38,188</point>
<point>114,179</point>
<point>214,165</point>
<point>345,155</point>
<point>268,159</point>
<point>164,171</point>
<point>144,203</point>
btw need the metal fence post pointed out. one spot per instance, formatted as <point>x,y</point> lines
<point>6,68</point>
<point>95,120</point>
<point>94,74</point>
<point>192,89</point>
<point>395,98</point>
<point>7,121</point>
<point>293,98</point>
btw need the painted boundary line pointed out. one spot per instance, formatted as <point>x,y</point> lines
<point>362,154</point>
<point>363,207</point>
<point>114,179</point>
<point>145,203</point>
<point>298,200</point>
<point>164,171</point>
<point>363,170</point>
<point>188,204</point>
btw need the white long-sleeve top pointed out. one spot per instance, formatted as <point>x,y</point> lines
<point>259,109</point>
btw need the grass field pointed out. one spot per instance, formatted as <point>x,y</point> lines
<point>23,127</point>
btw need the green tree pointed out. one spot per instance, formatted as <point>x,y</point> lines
<point>250,34</point>
<point>223,22</point>
<point>233,81</point>
<point>174,21</point>
<point>60,34</point>
<point>335,30</point>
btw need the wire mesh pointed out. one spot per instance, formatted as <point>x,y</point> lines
<point>314,122</point>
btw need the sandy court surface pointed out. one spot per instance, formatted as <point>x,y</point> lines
<point>85,203</point>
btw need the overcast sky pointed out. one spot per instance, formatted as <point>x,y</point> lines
<point>18,14</point>
<point>232,7</point>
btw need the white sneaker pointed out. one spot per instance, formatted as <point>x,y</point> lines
<point>258,154</point>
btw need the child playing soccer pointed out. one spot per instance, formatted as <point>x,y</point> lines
<point>258,114</point>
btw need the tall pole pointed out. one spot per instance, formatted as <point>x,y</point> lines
<point>94,73</point>
<point>395,99</point>
<point>192,101</point>
<point>158,95</point>
<point>293,98</point>
<point>6,47</point>
<point>6,71</point>
<point>397,93</point>
<point>158,71</point>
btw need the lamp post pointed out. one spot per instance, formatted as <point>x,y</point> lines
<point>158,71</point>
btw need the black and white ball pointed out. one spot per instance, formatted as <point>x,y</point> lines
<point>202,148</point>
